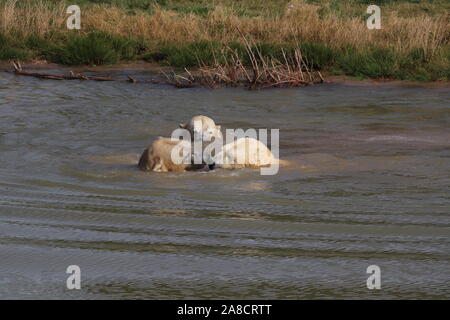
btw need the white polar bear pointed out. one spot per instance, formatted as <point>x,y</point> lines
<point>206,147</point>
<point>202,128</point>
<point>247,152</point>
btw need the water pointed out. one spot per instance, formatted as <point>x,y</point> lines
<point>368,184</point>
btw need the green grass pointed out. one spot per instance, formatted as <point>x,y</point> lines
<point>10,50</point>
<point>377,63</point>
<point>98,48</point>
<point>8,53</point>
<point>417,66</point>
<point>385,63</point>
<point>190,55</point>
<point>95,48</point>
<point>253,8</point>
<point>41,47</point>
<point>125,4</point>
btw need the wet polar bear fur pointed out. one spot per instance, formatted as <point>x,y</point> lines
<point>158,156</point>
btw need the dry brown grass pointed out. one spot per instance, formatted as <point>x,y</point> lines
<point>303,23</point>
<point>23,18</point>
<point>222,24</point>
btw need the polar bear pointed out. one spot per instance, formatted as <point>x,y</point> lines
<point>245,152</point>
<point>202,128</point>
<point>158,156</point>
<point>206,137</point>
<point>170,155</point>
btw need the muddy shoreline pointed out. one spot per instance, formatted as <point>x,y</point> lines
<point>149,70</point>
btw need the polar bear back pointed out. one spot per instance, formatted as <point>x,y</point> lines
<point>244,152</point>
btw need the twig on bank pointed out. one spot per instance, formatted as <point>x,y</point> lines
<point>71,76</point>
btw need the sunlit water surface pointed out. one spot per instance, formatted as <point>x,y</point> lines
<point>368,184</point>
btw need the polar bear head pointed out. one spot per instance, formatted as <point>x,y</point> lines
<point>202,128</point>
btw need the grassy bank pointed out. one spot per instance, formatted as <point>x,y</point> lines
<point>412,44</point>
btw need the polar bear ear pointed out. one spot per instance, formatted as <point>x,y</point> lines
<point>218,127</point>
<point>183,126</point>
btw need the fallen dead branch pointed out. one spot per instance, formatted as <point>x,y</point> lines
<point>71,76</point>
<point>177,80</point>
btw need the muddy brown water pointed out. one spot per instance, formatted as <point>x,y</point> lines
<point>368,184</point>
